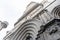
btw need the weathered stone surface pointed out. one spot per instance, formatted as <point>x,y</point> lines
<point>51,30</point>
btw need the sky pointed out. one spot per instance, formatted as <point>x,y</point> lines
<point>11,11</point>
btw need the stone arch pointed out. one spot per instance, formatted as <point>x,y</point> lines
<point>30,26</point>
<point>56,12</point>
<point>25,36</point>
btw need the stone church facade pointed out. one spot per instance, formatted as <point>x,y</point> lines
<point>41,21</point>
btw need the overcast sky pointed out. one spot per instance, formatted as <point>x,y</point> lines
<point>11,11</point>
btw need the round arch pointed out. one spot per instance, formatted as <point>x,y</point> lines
<point>30,26</point>
<point>56,12</point>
